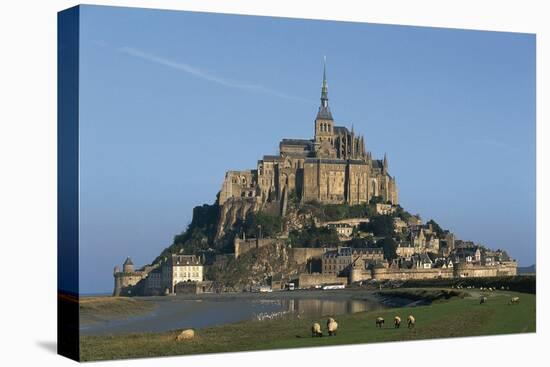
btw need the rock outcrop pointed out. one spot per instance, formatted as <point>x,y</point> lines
<point>232,211</point>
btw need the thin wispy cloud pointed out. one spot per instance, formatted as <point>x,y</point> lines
<point>197,72</point>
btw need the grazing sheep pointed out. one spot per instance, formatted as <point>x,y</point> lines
<point>514,300</point>
<point>186,334</point>
<point>482,300</point>
<point>332,326</point>
<point>397,322</point>
<point>411,321</point>
<point>379,321</point>
<point>316,330</point>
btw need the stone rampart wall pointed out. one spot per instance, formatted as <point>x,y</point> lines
<point>311,280</point>
<point>302,254</point>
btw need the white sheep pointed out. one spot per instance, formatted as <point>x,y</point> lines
<point>316,330</point>
<point>332,326</point>
<point>514,300</point>
<point>379,321</point>
<point>411,321</point>
<point>397,322</point>
<point>186,334</point>
<point>482,300</point>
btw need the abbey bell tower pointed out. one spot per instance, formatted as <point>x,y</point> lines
<point>324,123</point>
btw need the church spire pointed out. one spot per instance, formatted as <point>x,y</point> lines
<point>324,111</point>
<point>324,87</point>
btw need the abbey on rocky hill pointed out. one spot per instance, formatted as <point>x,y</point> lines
<point>333,167</point>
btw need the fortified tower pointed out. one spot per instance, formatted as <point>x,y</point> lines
<point>128,266</point>
<point>127,278</point>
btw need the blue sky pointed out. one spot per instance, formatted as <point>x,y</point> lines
<point>171,100</point>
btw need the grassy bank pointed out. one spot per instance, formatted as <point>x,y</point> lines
<point>94,309</point>
<point>428,295</point>
<point>517,283</point>
<point>445,318</point>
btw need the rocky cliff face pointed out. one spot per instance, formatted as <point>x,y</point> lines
<point>258,265</point>
<point>296,220</point>
<point>233,211</point>
<point>236,210</point>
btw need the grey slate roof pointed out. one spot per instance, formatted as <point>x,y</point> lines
<point>377,163</point>
<point>296,142</point>
<point>324,113</point>
<point>341,130</point>
<point>271,158</point>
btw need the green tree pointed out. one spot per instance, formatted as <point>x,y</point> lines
<point>390,247</point>
<point>270,224</point>
<point>336,211</point>
<point>293,198</point>
<point>381,225</point>
<point>313,236</point>
<point>357,243</point>
<point>436,228</point>
<point>402,213</point>
<point>376,200</point>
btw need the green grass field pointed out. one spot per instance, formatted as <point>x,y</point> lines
<point>442,319</point>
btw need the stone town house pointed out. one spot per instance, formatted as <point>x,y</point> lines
<point>333,167</point>
<point>181,268</point>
